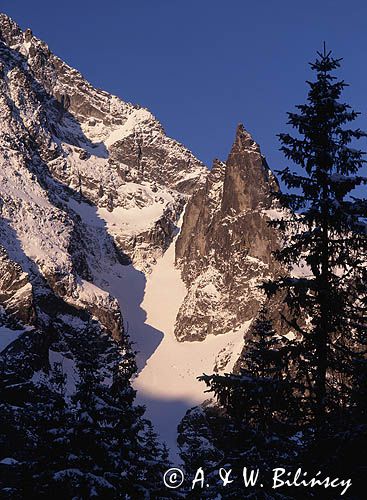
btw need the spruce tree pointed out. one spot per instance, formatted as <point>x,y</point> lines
<point>93,442</point>
<point>264,392</point>
<point>114,452</point>
<point>53,420</point>
<point>262,403</point>
<point>326,231</point>
<point>43,423</point>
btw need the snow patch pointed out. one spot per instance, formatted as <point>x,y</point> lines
<point>9,461</point>
<point>134,120</point>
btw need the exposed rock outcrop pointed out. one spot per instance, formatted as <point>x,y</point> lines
<point>16,295</point>
<point>225,246</point>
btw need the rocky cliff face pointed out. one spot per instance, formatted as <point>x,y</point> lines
<point>90,183</point>
<point>110,153</point>
<point>87,182</point>
<point>225,246</point>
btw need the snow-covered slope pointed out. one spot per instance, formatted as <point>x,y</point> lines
<point>108,152</point>
<point>88,184</point>
<point>8,336</point>
<point>167,383</point>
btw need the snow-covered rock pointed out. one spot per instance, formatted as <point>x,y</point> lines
<point>88,183</point>
<point>91,193</point>
<point>96,147</point>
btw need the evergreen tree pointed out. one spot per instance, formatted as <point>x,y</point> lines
<point>53,419</point>
<point>262,402</point>
<point>93,442</point>
<point>327,232</point>
<point>43,424</point>
<point>154,462</point>
<point>114,452</point>
<point>263,393</point>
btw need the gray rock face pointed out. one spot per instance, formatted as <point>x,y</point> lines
<point>96,144</point>
<point>87,182</point>
<point>139,143</point>
<point>225,246</point>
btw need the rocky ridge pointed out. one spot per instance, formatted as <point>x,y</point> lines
<point>112,154</point>
<point>87,182</point>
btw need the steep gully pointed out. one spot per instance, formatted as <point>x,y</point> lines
<point>167,369</point>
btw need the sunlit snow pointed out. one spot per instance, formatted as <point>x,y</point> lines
<point>167,382</point>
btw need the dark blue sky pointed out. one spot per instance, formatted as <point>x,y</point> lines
<point>202,66</point>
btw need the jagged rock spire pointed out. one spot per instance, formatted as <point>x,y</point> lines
<point>226,246</point>
<point>244,141</point>
<point>248,182</point>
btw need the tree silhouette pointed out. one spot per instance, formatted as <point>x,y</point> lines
<point>326,232</point>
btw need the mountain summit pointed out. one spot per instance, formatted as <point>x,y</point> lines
<point>225,246</point>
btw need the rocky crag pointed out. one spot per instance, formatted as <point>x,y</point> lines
<point>112,154</point>
<point>86,181</point>
<point>225,248</point>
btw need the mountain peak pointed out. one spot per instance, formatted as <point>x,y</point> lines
<point>10,32</point>
<point>5,20</point>
<point>248,182</point>
<point>243,140</point>
<point>225,233</point>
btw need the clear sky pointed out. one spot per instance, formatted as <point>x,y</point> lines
<point>202,66</point>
